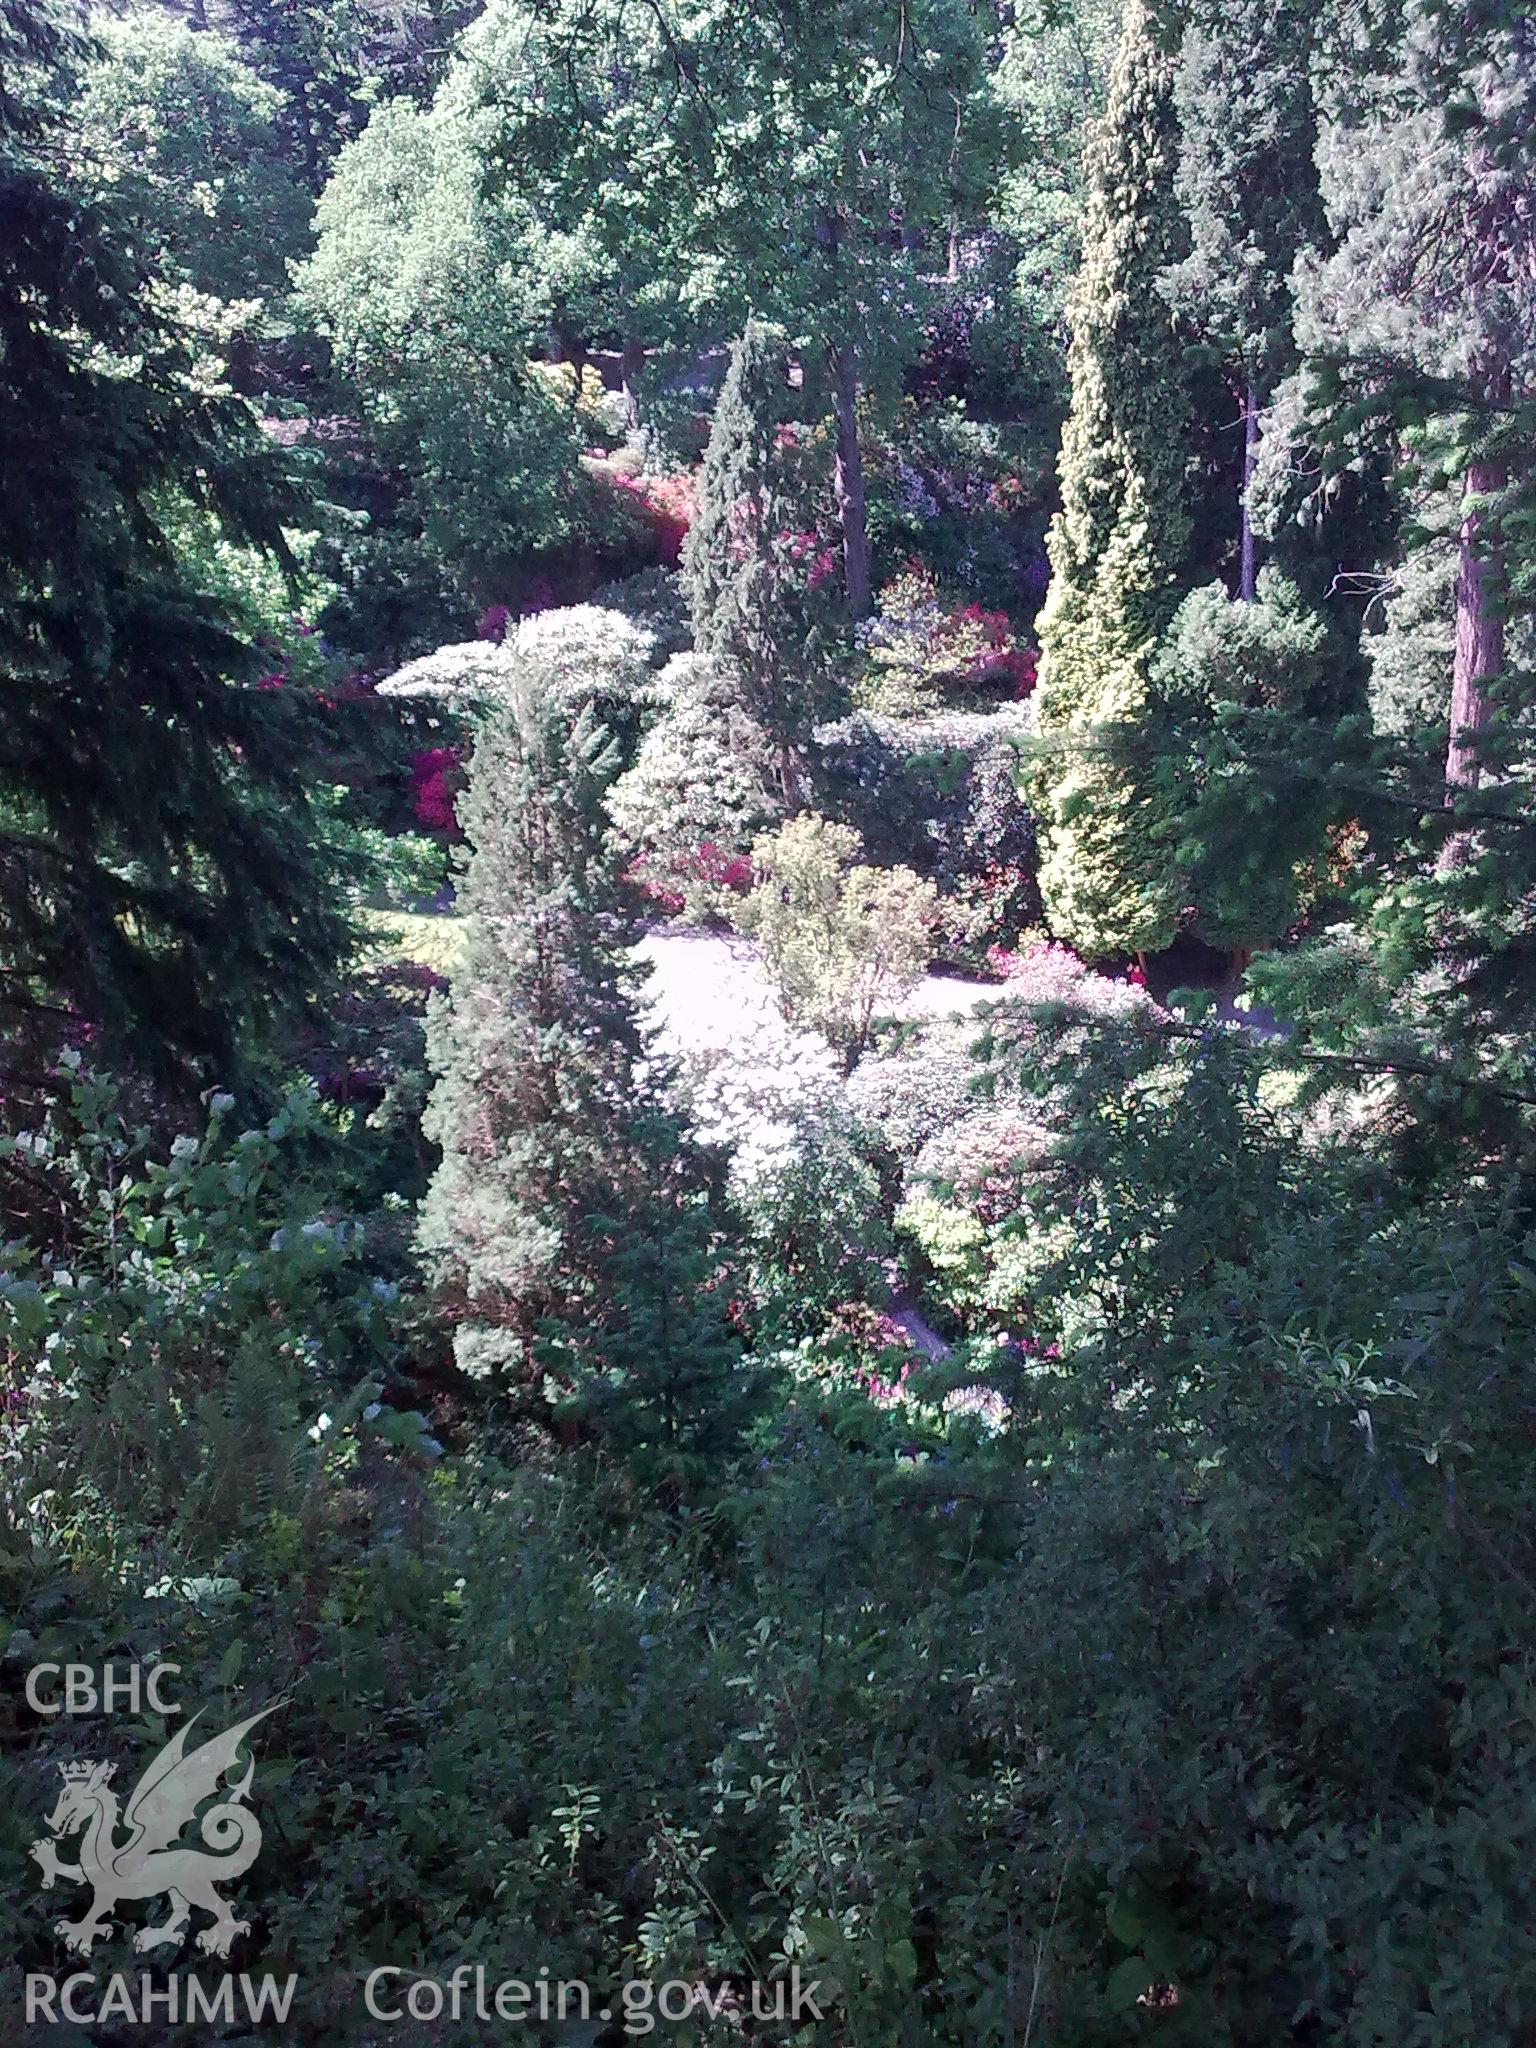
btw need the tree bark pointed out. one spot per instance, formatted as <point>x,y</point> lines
<point>307,141</point>
<point>849,479</point>
<point>632,367</point>
<point>1248,573</point>
<point>1479,636</point>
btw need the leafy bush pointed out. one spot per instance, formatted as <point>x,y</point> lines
<point>987,1187</point>
<point>839,938</point>
<point>906,1092</point>
<point>1220,1537</point>
<point>1255,695</point>
<point>986,855</point>
<point>964,497</point>
<point>1049,976</point>
<point>585,657</point>
<point>939,794</point>
<point>921,653</point>
<point>815,1233</point>
<point>188,1317</point>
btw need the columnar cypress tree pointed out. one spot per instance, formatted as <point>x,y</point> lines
<point>1108,871</point>
<point>747,565</point>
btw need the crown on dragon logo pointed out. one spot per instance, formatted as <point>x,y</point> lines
<point>80,1774</point>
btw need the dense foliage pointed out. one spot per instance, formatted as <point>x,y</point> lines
<point>766,977</point>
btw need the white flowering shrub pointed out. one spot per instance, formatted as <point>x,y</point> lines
<point>585,655</point>
<point>982,1162</point>
<point>458,676</point>
<point>906,1094</point>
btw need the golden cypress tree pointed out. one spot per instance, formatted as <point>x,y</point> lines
<point>1107,811</point>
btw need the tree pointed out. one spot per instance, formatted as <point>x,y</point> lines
<point>1051,83</point>
<point>838,938</point>
<point>658,1372</point>
<point>1422,318</point>
<point>435,295</point>
<point>185,137</point>
<point>159,880</point>
<point>806,166</point>
<point>574,1229</point>
<point>1416,330</point>
<point>313,52</point>
<point>700,790</point>
<point>1248,188</point>
<point>1247,688</point>
<point>1109,873</point>
<point>751,564</point>
<point>535,1049</point>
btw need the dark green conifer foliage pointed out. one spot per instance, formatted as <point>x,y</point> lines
<point>1248,187</point>
<point>573,1227</point>
<point>536,1047</point>
<point>1108,871</point>
<point>745,569</point>
<point>157,864</point>
<point>659,1372</point>
<point>1246,686</point>
<point>1417,328</point>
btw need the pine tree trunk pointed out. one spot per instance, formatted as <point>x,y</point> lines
<point>1479,637</point>
<point>849,480</point>
<point>1248,574</point>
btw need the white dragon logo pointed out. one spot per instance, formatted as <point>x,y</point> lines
<point>151,1861</point>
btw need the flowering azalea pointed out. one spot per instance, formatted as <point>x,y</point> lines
<point>437,776</point>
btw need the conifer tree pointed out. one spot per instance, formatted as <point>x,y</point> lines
<point>1248,187</point>
<point>1246,687</point>
<point>535,1049</point>
<point>1108,872</point>
<point>574,1229</point>
<point>658,1372</point>
<point>158,867</point>
<point>1417,329</point>
<point>1420,322</point>
<point>749,564</point>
